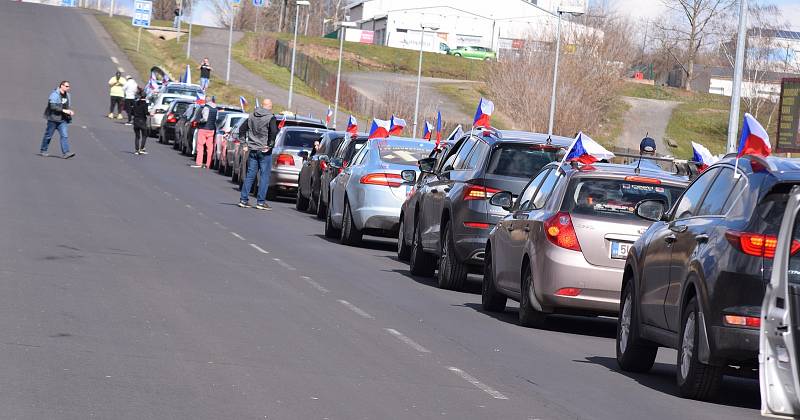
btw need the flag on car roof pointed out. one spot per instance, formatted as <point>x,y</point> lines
<point>586,151</point>
<point>186,77</point>
<point>165,80</point>
<point>483,114</point>
<point>427,130</point>
<point>152,86</point>
<point>328,117</point>
<point>438,127</point>
<point>282,123</point>
<point>352,125</point>
<point>243,103</point>
<point>379,129</point>
<point>754,139</point>
<point>396,126</point>
<point>703,156</point>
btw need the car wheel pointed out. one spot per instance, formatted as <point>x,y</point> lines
<point>403,250</point>
<point>452,273</point>
<point>350,233</point>
<point>491,299</point>
<point>301,203</point>
<point>330,231</point>
<point>420,262</point>
<point>696,380</point>
<point>456,55</point>
<point>528,315</point>
<point>161,137</point>
<point>632,354</point>
<point>175,143</point>
<point>321,208</point>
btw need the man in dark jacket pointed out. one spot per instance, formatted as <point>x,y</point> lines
<point>58,115</point>
<point>258,132</point>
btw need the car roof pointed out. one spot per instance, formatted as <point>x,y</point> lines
<point>783,169</point>
<point>304,128</point>
<point>181,84</point>
<point>615,170</point>
<point>527,137</point>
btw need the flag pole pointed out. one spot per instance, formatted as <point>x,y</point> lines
<point>571,146</point>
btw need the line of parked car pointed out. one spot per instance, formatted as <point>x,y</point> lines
<point>681,258</point>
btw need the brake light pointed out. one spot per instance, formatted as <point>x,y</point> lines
<point>479,192</point>
<point>756,244</point>
<point>194,124</point>
<point>477,225</point>
<point>323,165</point>
<point>568,291</point>
<point>387,180</point>
<point>560,231</point>
<point>284,159</point>
<point>171,118</point>
<point>643,179</point>
<point>743,321</point>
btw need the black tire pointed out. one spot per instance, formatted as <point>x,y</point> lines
<point>312,204</point>
<point>452,272</point>
<point>321,208</point>
<point>420,263</point>
<point>528,315</point>
<point>350,233</point>
<point>176,142</point>
<point>330,231</point>
<point>491,299</point>
<point>301,203</point>
<point>403,250</point>
<point>696,380</point>
<point>633,355</point>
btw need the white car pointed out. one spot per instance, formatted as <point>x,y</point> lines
<point>158,108</point>
<point>229,120</point>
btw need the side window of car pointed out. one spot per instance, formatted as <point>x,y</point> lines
<point>718,193</point>
<point>547,188</point>
<point>524,200</point>
<point>462,154</point>
<point>451,154</point>
<point>475,157</point>
<point>689,202</point>
<point>360,156</point>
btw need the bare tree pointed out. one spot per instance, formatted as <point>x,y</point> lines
<point>164,9</point>
<point>686,30</point>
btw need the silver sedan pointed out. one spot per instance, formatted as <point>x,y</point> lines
<point>366,196</point>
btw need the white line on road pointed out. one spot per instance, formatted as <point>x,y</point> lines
<point>188,206</point>
<point>411,343</point>
<point>167,194</point>
<point>259,249</point>
<point>356,309</point>
<point>114,60</point>
<point>284,265</point>
<point>478,384</point>
<point>315,284</point>
<point>237,235</point>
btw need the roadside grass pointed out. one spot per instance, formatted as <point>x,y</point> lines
<point>466,97</point>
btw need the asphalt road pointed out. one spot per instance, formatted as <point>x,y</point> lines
<point>133,288</point>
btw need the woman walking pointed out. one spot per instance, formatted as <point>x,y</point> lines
<point>140,122</point>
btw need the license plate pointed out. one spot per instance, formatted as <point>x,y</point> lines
<point>619,250</point>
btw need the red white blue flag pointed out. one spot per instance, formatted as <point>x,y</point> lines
<point>186,77</point>
<point>427,130</point>
<point>483,115</point>
<point>328,117</point>
<point>586,151</point>
<point>243,103</point>
<point>379,129</point>
<point>352,125</point>
<point>396,126</point>
<point>703,156</point>
<point>438,127</point>
<point>754,139</point>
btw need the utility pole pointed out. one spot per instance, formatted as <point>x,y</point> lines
<point>342,29</point>
<point>733,118</point>
<point>189,41</point>
<point>432,27</point>
<point>230,42</point>
<point>298,3</point>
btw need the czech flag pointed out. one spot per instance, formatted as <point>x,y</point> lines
<point>438,127</point>
<point>186,77</point>
<point>152,86</point>
<point>427,130</point>
<point>352,125</point>
<point>379,129</point>
<point>243,103</point>
<point>586,151</point>
<point>483,115</point>
<point>703,156</point>
<point>328,117</point>
<point>282,123</point>
<point>396,126</point>
<point>165,80</point>
<point>754,139</point>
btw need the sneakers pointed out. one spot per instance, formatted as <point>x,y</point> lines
<point>263,206</point>
<point>119,116</point>
<point>195,166</point>
<point>69,155</point>
<point>137,152</point>
<point>44,154</point>
<point>110,115</point>
<point>244,204</point>
<point>142,152</point>
<point>128,123</point>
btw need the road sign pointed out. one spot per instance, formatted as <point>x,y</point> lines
<point>789,117</point>
<point>68,3</point>
<point>142,13</point>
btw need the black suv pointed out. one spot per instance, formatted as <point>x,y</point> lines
<point>695,279</point>
<point>308,184</point>
<point>452,217</point>
<point>344,153</point>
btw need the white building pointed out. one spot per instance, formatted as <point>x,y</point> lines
<point>497,24</point>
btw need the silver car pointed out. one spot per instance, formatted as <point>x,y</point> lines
<point>292,146</point>
<point>367,195</point>
<point>159,108</point>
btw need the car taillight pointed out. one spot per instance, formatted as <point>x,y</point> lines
<point>643,180</point>
<point>323,165</point>
<point>479,192</point>
<point>477,225</point>
<point>743,321</point>
<point>171,118</point>
<point>387,180</point>
<point>756,244</point>
<point>560,231</point>
<point>284,159</point>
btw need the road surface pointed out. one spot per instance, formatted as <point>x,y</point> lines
<point>132,287</point>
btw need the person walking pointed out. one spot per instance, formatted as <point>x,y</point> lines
<point>58,114</point>
<point>117,93</point>
<point>259,132</point>
<point>205,134</point>
<point>130,88</point>
<point>176,21</point>
<point>140,122</point>
<point>205,73</point>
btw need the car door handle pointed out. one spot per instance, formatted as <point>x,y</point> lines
<point>670,238</point>
<point>701,238</point>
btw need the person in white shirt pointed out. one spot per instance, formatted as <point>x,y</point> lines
<point>130,87</point>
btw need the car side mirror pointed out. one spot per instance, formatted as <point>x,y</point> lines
<point>409,176</point>
<point>502,199</point>
<point>652,210</point>
<point>303,154</point>
<point>426,165</point>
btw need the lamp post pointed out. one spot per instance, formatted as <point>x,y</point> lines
<point>230,41</point>
<point>342,26</point>
<point>733,118</point>
<point>432,27</point>
<point>294,47</point>
<point>561,10</point>
<point>189,40</point>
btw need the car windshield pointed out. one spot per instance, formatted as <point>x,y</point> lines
<point>304,139</point>
<point>614,198</point>
<point>404,153</point>
<point>520,160</point>
<point>184,90</point>
<point>181,107</point>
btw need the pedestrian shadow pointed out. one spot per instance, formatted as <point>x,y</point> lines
<point>734,392</point>
<point>600,327</point>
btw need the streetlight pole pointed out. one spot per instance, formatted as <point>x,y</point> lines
<point>555,79</point>
<point>111,9</point>
<point>189,42</point>
<point>179,17</point>
<point>419,74</point>
<point>342,26</point>
<point>733,118</point>
<point>294,48</point>
<point>230,43</point>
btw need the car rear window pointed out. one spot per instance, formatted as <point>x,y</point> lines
<point>614,198</point>
<point>183,90</point>
<point>520,160</point>
<point>181,107</point>
<point>303,139</point>
<point>403,154</point>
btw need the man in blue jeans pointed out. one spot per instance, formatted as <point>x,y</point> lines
<point>258,133</point>
<point>58,115</point>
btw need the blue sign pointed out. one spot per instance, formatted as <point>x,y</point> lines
<point>68,3</point>
<point>142,13</point>
<point>260,3</point>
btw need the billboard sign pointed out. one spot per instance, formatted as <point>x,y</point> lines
<point>788,137</point>
<point>142,13</point>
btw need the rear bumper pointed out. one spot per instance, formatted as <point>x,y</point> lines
<point>471,249</point>
<point>287,178</point>
<point>731,345</point>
